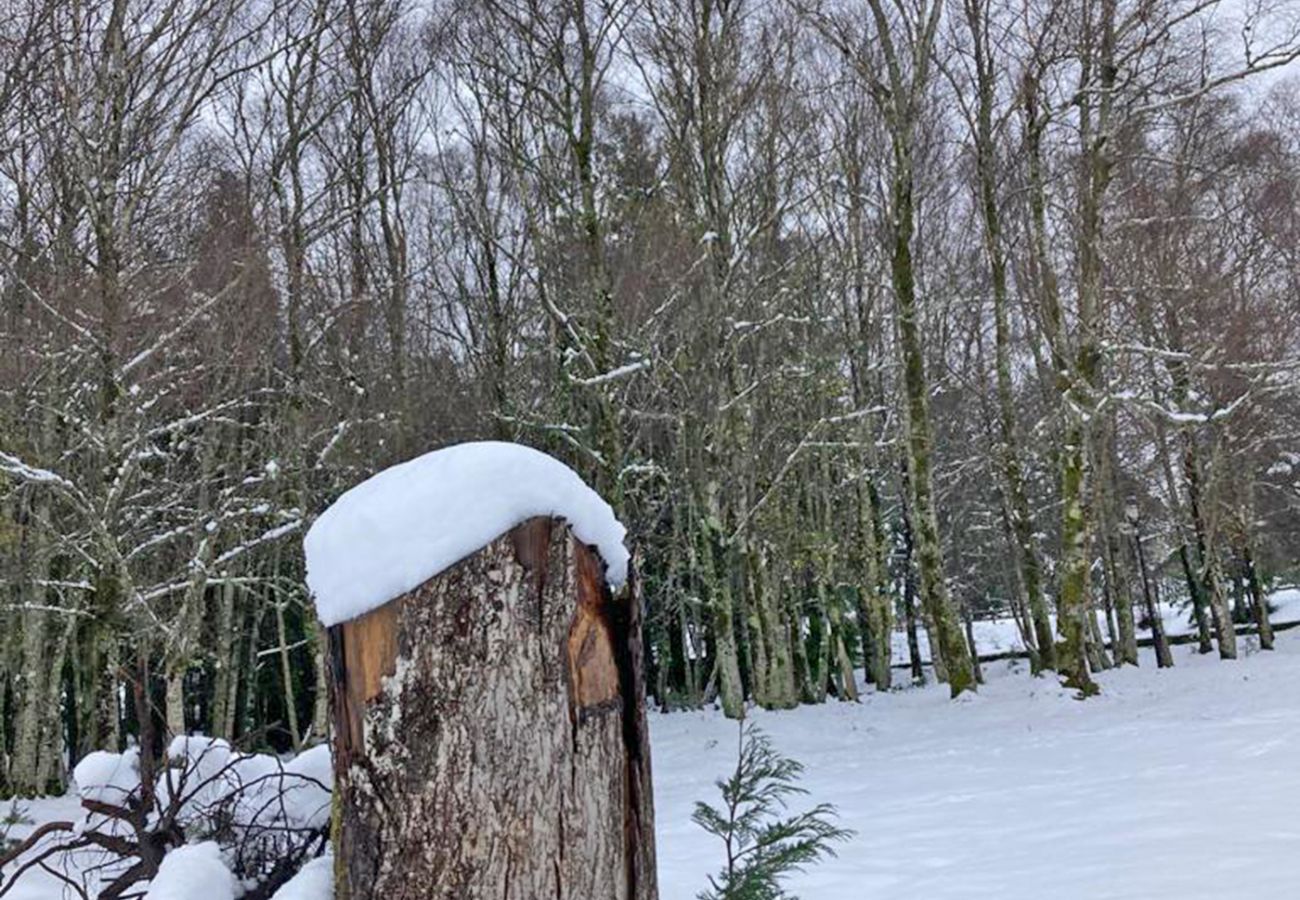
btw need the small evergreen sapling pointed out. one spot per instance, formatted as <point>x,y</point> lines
<point>16,815</point>
<point>763,845</point>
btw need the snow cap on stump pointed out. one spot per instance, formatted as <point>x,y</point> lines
<point>396,530</point>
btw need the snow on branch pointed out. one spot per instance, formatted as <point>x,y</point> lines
<point>14,466</point>
<point>1179,417</point>
<point>266,537</point>
<point>195,314</point>
<point>1190,360</point>
<point>615,374</point>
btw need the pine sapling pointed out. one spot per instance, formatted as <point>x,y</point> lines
<point>16,815</point>
<point>763,844</point>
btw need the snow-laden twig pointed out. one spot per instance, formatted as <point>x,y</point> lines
<point>1179,417</point>
<point>265,537</point>
<point>147,354</point>
<point>615,374</point>
<point>1187,358</point>
<point>45,607</point>
<point>14,466</point>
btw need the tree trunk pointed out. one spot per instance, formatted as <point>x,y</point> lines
<point>1206,552</point>
<point>722,618</point>
<point>779,686</point>
<point>225,665</point>
<point>875,608</point>
<point>1199,608</point>
<point>846,679</point>
<point>1164,658</point>
<point>820,629</point>
<point>909,606</point>
<point>1022,524</point>
<point>949,644</point>
<point>174,706</point>
<point>286,674</point>
<point>1073,606</point>
<point>30,689</point>
<point>970,639</point>
<point>1258,599</point>
<point>490,735</point>
<point>1126,651</point>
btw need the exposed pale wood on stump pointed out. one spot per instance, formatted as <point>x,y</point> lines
<point>490,733</point>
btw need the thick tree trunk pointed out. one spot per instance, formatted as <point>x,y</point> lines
<point>778,686</point>
<point>820,629</point>
<point>756,652</point>
<point>490,736</point>
<point>30,685</point>
<point>845,679</point>
<point>1126,652</point>
<point>1200,609</point>
<point>731,691</point>
<point>174,704</point>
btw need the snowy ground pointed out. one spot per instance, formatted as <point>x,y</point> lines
<point>1181,783</point>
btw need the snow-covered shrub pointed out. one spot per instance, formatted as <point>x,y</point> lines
<point>205,822</point>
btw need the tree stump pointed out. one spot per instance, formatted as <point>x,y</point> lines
<point>489,733</point>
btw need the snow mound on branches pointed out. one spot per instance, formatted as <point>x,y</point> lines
<point>307,794</point>
<point>193,872</point>
<point>314,881</point>
<point>106,777</point>
<point>398,529</point>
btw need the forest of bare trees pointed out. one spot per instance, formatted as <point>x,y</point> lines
<point>865,316</point>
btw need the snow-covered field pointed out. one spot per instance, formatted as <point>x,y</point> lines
<point>1183,783</point>
<point>1180,784</point>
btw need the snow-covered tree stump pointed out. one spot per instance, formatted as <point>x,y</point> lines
<point>490,737</point>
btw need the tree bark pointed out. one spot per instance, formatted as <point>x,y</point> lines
<point>490,736</point>
<point>1164,659</point>
<point>1021,520</point>
<point>1259,600</point>
<point>949,642</point>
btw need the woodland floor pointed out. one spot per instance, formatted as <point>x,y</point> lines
<point>1183,783</point>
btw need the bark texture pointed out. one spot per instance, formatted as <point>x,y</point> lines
<point>490,735</point>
